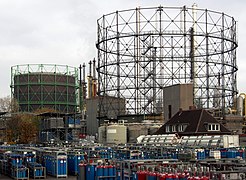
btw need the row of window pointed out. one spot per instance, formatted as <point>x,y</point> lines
<point>182,127</point>
<point>176,128</point>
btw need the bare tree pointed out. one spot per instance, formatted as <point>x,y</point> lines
<point>8,104</point>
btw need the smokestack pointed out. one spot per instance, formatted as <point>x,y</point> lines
<point>90,83</point>
<point>94,68</point>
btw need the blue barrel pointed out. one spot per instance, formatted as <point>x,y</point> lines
<point>90,172</point>
<point>207,152</point>
<point>200,155</point>
<point>111,172</point>
<point>223,153</point>
<point>152,176</point>
<point>240,153</point>
<point>100,170</point>
<point>106,171</point>
<point>231,153</point>
<point>118,174</point>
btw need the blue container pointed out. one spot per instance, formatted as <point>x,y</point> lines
<point>73,163</point>
<point>111,172</point>
<point>134,176</point>
<point>241,153</point>
<point>223,153</point>
<point>100,170</point>
<point>118,174</point>
<point>207,152</point>
<point>90,172</point>
<point>106,171</point>
<point>200,155</point>
<point>152,176</point>
<point>231,153</point>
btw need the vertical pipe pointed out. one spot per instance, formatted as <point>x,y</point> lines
<point>223,65</point>
<point>136,73</point>
<point>67,81</point>
<point>28,89</point>
<point>233,58</point>
<point>154,80</point>
<point>184,35</point>
<point>207,57</point>
<point>94,79</point>
<point>194,39</point>
<point>80,87</point>
<point>118,61</point>
<point>94,68</point>
<point>161,59</point>
<point>90,80</point>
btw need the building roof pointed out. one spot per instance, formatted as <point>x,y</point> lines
<point>196,122</point>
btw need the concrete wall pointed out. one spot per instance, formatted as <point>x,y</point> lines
<point>176,97</point>
<point>234,123</point>
<point>91,116</point>
<point>110,108</point>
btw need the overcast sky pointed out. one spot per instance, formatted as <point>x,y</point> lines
<point>65,31</point>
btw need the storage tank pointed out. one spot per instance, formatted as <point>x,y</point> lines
<point>37,86</point>
<point>136,130</point>
<point>102,134</point>
<point>117,134</point>
<point>240,105</point>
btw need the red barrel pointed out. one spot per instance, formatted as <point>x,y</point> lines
<point>169,177</point>
<point>163,176</point>
<point>142,175</point>
<point>204,178</point>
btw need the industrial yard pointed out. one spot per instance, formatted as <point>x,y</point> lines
<point>159,102</point>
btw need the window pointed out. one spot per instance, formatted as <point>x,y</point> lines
<point>167,128</point>
<point>182,127</point>
<point>213,127</point>
<point>173,128</point>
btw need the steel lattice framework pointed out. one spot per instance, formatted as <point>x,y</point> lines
<point>37,86</point>
<point>142,50</point>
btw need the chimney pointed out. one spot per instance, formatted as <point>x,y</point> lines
<point>192,107</point>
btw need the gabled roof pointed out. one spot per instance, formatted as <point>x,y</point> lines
<point>196,121</point>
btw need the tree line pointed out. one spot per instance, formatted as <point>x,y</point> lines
<point>18,127</point>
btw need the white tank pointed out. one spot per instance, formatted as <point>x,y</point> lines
<point>102,134</point>
<point>117,134</point>
<point>240,105</point>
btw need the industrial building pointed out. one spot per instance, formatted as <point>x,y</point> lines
<point>60,127</point>
<point>37,86</point>
<point>162,102</point>
<point>152,62</point>
<point>125,132</point>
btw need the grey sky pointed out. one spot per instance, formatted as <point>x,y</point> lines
<point>65,31</point>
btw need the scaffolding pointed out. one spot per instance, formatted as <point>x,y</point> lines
<point>142,50</point>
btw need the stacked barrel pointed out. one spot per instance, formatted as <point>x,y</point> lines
<point>55,163</point>
<point>17,169</point>
<point>93,171</point>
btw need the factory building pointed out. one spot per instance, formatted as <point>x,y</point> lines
<point>124,132</point>
<point>59,127</point>
<point>176,97</point>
